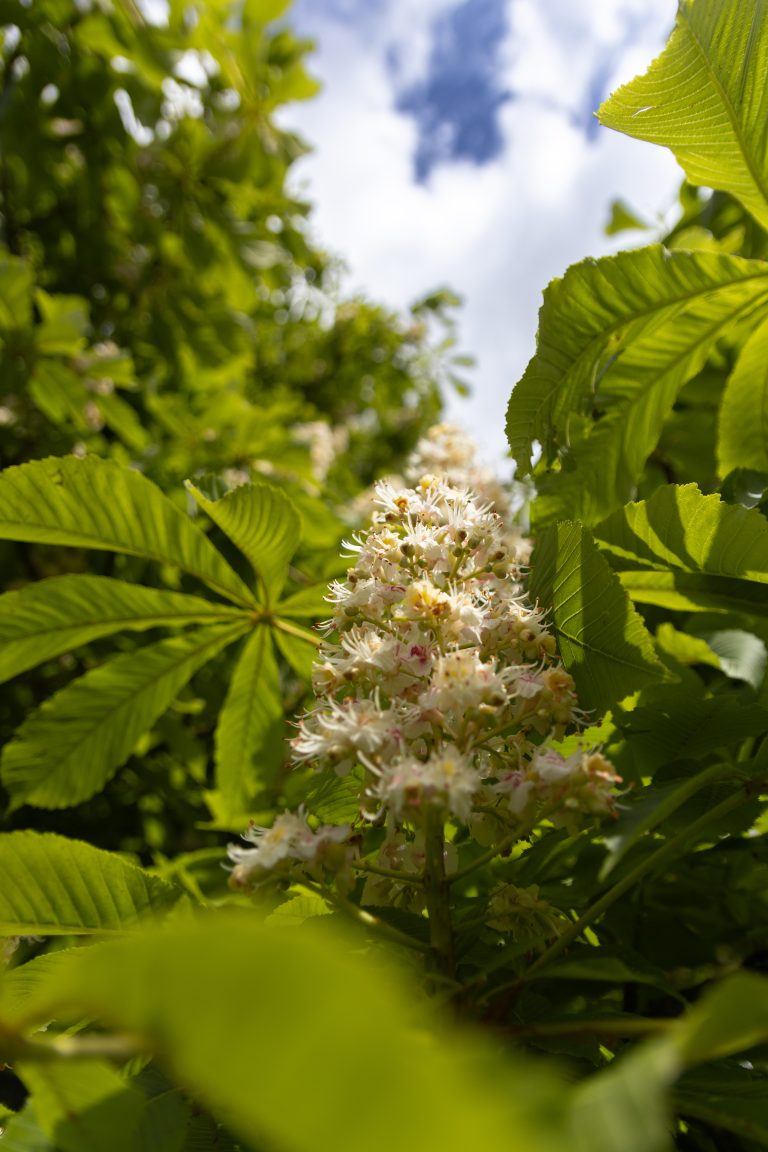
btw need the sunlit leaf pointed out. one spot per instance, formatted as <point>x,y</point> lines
<point>705,98</point>
<point>263,523</point>
<point>603,641</point>
<point>53,886</point>
<point>743,425</point>
<point>621,335</point>
<point>93,503</point>
<point>74,743</point>
<point>43,620</point>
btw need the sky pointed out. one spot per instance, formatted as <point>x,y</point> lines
<point>455,144</point>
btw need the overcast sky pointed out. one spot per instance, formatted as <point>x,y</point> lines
<point>455,144</point>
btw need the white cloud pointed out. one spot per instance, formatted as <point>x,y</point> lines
<point>497,233</point>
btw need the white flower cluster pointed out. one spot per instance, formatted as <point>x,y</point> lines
<point>438,681</point>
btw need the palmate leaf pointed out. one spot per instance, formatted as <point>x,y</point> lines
<point>53,616</point>
<point>301,994</point>
<point>263,523</point>
<point>603,641</point>
<point>628,330</point>
<point>743,425</point>
<point>249,745</point>
<point>74,743</point>
<point>53,886</point>
<point>94,503</point>
<point>705,97</point>
<point>681,529</point>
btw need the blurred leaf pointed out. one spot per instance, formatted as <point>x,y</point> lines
<point>623,219</point>
<point>95,503</point>
<point>53,616</point>
<point>703,97</point>
<point>626,1108</point>
<point>84,1105</point>
<point>732,1017</point>
<point>603,641</point>
<point>54,886</point>
<point>68,749</point>
<point>301,995</point>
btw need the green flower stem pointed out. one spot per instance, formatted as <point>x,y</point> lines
<point>15,1047</point>
<point>367,919</point>
<point>486,858</point>
<point>390,873</point>
<point>437,888</point>
<point>652,862</point>
<point>296,630</point>
<point>608,1026</point>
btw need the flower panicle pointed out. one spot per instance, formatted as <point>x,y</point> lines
<point>438,682</point>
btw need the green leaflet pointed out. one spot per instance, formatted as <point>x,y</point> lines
<point>84,1105</point>
<point>743,425</point>
<point>74,743</point>
<point>263,523</point>
<point>53,886</point>
<point>299,651</point>
<point>623,334</point>
<point>603,641</point>
<point>694,592</point>
<point>301,992</point>
<point>94,503</point>
<point>307,603</point>
<point>705,98</point>
<point>249,736</point>
<point>53,616</point>
<point>679,528</point>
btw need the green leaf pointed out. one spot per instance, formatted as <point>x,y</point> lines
<point>53,616</point>
<point>694,592</point>
<point>679,528</point>
<point>621,336</point>
<point>249,736</point>
<point>307,603</point>
<point>263,523</point>
<point>53,886</point>
<point>68,749</point>
<point>299,651</point>
<point>603,641</point>
<point>623,219</point>
<point>84,1105</point>
<point>743,425</point>
<point>704,97</point>
<point>300,993</point>
<point>94,503</point>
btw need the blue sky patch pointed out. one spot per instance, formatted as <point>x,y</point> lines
<point>457,102</point>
